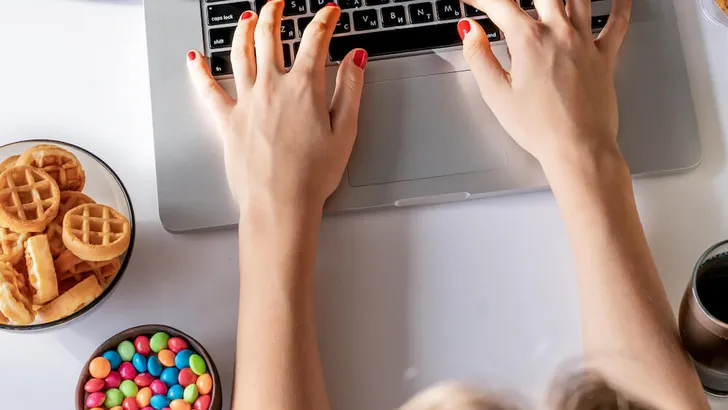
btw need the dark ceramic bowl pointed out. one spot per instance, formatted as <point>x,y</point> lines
<point>105,187</point>
<point>130,334</point>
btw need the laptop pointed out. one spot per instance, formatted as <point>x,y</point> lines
<point>425,135</point>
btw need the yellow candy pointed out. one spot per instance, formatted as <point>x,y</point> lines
<point>144,396</point>
<point>117,408</point>
<point>204,384</point>
<point>166,357</point>
<point>179,404</point>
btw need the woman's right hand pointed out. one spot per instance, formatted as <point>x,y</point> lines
<point>558,98</point>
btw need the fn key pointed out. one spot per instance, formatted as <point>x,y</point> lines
<point>220,64</point>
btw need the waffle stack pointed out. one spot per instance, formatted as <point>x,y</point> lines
<point>58,248</point>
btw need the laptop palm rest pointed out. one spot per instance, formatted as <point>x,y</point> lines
<point>425,127</point>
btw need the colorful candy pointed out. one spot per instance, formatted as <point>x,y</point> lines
<point>113,358</point>
<point>159,341</point>
<point>99,367</point>
<point>141,344</point>
<point>127,371</point>
<point>152,373</point>
<point>113,380</point>
<point>114,397</point>
<point>177,344</point>
<point>197,364</point>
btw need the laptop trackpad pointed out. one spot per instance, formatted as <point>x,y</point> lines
<point>425,127</point>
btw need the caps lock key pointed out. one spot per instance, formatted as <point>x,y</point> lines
<point>226,13</point>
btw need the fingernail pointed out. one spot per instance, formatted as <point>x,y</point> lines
<point>191,55</point>
<point>246,15</point>
<point>360,58</point>
<point>331,4</point>
<point>463,28</point>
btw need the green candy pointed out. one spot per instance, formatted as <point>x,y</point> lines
<point>158,342</point>
<point>190,394</point>
<point>126,350</point>
<point>113,398</point>
<point>129,388</point>
<point>197,364</point>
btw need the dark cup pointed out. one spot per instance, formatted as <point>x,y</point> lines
<point>703,319</point>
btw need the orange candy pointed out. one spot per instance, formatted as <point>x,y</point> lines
<point>204,384</point>
<point>99,368</point>
<point>97,408</point>
<point>117,408</point>
<point>166,357</point>
<point>144,396</point>
<point>179,404</point>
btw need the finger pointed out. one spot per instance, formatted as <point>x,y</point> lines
<point>506,14</point>
<point>550,11</point>
<point>579,12</point>
<point>242,55</point>
<point>215,98</point>
<point>611,38</point>
<point>268,46</point>
<point>316,38</point>
<point>347,94</point>
<point>489,73</point>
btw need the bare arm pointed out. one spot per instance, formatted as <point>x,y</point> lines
<point>558,102</point>
<point>286,148</point>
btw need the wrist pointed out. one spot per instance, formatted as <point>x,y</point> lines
<point>587,162</point>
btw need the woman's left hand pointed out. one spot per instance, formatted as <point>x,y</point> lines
<point>285,144</point>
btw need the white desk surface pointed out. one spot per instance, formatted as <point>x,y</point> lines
<point>482,291</point>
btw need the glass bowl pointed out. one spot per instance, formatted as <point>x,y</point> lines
<point>104,187</point>
<point>713,13</point>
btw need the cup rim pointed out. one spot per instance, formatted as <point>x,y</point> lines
<point>124,264</point>
<point>694,287</point>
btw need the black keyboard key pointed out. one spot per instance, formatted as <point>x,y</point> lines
<point>386,42</point>
<point>259,4</point>
<point>220,64</point>
<point>222,37</point>
<point>302,24</point>
<point>365,20</point>
<point>226,13</point>
<point>294,7</point>
<point>344,24</point>
<point>376,2</point>
<point>401,1</point>
<point>350,4</point>
<point>421,13</point>
<point>393,16</point>
<point>287,30</point>
<point>296,46</point>
<point>471,11</point>
<point>448,9</point>
<point>316,5</point>
<point>491,30</point>
<point>598,22</point>
<point>527,5</point>
<point>287,62</point>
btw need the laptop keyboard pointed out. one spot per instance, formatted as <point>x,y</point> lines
<point>382,27</point>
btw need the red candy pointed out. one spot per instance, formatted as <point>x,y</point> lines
<point>95,399</point>
<point>127,371</point>
<point>130,403</point>
<point>176,344</point>
<point>93,385</point>
<point>186,377</point>
<point>202,402</point>
<point>148,408</point>
<point>141,344</point>
<point>112,381</point>
<point>158,387</point>
<point>143,379</point>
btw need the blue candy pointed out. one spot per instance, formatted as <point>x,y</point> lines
<point>182,359</point>
<point>159,401</point>
<point>139,362</point>
<point>154,367</point>
<point>113,358</point>
<point>175,392</point>
<point>169,376</point>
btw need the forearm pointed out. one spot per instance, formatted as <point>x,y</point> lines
<point>277,362</point>
<point>629,331</point>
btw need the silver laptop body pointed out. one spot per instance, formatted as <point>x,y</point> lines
<point>425,135</point>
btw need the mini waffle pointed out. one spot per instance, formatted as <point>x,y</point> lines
<point>60,164</point>
<point>96,232</point>
<point>29,199</point>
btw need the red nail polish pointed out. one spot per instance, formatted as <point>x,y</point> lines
<point>191,55</point>
<point>246,15</point>
<point>463,28</point>
<point>360,58</point>
<point>331,4</point>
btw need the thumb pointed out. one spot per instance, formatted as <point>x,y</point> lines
<point>347,95</point>
<point>488,71</point>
